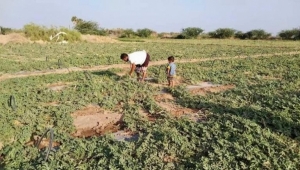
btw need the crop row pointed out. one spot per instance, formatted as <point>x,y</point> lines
<point>31,57</point>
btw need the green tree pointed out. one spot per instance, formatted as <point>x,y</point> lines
<point>240,35</point>
<point>222,33</point>
<point>293,34</point>
<point>190,32</point>
<point>87,27</point>
<point>257,34</point>
<point>4,30</point>
<point>128,33</point>
<point>145,33</point>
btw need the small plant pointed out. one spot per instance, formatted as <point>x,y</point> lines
<point>59,63</point>
<point>12,102</point>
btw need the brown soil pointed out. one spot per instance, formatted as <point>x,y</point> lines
<point>98,39</point>
<point>145,114</point>
<point>205,90</point>
<point>58,86</point>
<point>44,143</point>
<point>166,101</point>
<point>20,38</point>
<point>106,67</point>
<point>92,120</point>
<point>13,38</point>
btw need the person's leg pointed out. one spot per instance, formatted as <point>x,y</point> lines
<point>144,73</point>
<point>172,83</point>
<point>145,66</point>
<point>138,73</point>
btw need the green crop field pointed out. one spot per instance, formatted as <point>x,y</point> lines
<point>248,119</point>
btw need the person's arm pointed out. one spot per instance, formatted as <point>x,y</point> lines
<point>169,70</point>
<point>132,69</point>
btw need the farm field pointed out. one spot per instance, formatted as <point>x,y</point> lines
<point>236,106</point>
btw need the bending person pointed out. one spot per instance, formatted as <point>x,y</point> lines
<point>139,61</point>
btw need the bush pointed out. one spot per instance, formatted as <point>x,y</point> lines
<point>293,34</point>
<point>190,32</point>
<point>36,32</point>
<point>167,35</point>
<point>5,31</point>
<point>144,33</point>
<point>258,34</point>
<point>128,33</point>
<point>240,35</point>
<point>222,33</point>
<point>89,27</point>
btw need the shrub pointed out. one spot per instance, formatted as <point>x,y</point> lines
<point>36,32</point>
<point>144,33</point>
<point>5,31</point>
<point>168,35</point>
<point>128,33</point>
<point>258,34</point>
<point>88,27</point>
<point>222,33</point>
<point>190,32</point>
<point>240,35</point>
<point>293,34</point>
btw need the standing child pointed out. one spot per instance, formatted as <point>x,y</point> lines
<point>171,71</point>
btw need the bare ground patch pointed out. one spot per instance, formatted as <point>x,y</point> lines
<point>147,115</point>
<point>98,39</point>
<point>206,87</point>
<point>166,101</point>
<point>58,86</point>
<point>93,120</point>
<point>13,38</point>
<point>43,144</point>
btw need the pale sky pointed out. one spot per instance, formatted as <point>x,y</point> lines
<point>158,15</point>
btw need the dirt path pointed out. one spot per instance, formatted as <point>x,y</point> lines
<point>105,67</point>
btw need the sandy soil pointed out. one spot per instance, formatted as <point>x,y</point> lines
<point>93,120</point>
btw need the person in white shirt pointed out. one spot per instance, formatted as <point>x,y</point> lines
<point>139,61</point>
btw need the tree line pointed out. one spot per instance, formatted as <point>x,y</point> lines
<point>93,28</point>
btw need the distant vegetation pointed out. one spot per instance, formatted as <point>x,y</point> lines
<point>293,34</point>
<point>4,30</point>
<point>87,27</point>
<point>36,32</point>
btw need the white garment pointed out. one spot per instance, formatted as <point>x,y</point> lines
<point>137,57</point>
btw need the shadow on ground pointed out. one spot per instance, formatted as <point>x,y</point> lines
<point>108,74</point>
<point>279,114</point>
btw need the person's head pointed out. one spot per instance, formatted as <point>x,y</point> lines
<point>124,57</point>
<point>171,59</point>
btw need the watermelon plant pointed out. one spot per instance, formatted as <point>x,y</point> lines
<point>253,125</point>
